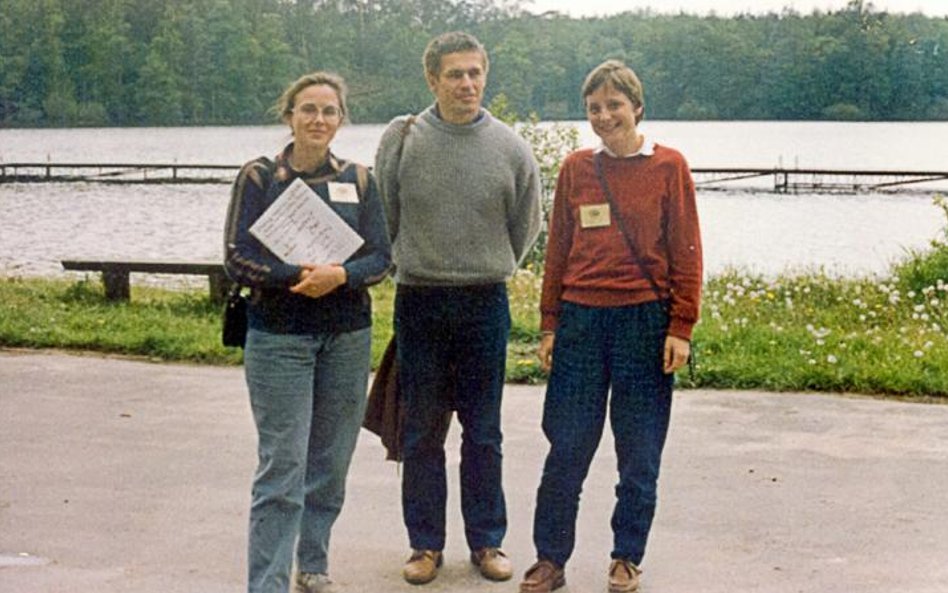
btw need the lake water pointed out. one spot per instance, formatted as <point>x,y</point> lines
<point>763,232</point>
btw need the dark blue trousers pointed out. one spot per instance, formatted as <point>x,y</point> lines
<point>452,349</point>
<point>595,349</point>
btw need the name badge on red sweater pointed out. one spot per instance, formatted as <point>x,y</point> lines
<point>594,216</point>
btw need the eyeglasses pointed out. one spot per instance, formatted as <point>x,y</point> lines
<point>311,111</point>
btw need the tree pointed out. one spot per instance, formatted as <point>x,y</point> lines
<point>224,61</point>
<point>47,77</point>
<point>103,61</point>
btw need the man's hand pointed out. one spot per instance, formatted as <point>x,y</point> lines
<point>319,280</point>
<point>677,351</point>
<point>545,352</point>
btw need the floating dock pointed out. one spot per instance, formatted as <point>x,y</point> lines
<point>794,181</point>
<point>777,180</point>
<point>116,173</point>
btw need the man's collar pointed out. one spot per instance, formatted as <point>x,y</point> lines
<point>437,112</point>
<point>647,149</point>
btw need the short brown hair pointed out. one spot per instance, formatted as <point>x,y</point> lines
<point>450,43</point>
<point>286,102</point>
<point>621,77</point>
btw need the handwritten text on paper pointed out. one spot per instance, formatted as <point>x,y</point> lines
<point>300,228</point>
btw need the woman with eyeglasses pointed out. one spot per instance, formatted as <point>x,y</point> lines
<point>307,352</point>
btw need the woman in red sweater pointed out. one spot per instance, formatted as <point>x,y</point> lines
<point>621,293</point>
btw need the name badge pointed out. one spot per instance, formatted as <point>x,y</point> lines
<point>594,216</point>
<point>343,192</point>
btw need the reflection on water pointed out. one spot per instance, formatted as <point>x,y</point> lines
<point>847,235</point>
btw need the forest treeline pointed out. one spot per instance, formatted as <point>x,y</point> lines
<point>196,62</point>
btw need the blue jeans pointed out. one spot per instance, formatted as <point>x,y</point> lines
<point>452,351</point>
<point>595,349</point>
<point>308,394</point>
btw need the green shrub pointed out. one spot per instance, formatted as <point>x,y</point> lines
<point>925,269</point>
<point>844,112</point>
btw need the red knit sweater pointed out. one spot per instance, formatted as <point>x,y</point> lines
<point>593,266</point>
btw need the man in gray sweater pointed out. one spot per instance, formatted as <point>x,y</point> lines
<point>461,192</point>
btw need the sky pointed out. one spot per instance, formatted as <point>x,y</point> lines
<point>580,8</point>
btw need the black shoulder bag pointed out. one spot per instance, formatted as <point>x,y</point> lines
<point>234,328</point>
<point>597,160</point>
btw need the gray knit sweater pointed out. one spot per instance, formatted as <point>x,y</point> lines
<point>462,202</point>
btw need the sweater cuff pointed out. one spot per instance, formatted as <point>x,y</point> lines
<point>680,328</point>
<point>284,275</point>
<point>548,322</point>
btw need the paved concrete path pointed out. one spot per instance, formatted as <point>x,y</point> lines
<point>126,476</point>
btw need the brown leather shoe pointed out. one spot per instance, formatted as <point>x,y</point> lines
<point>422,567</point>
<point>542,577</point>
<point>493,563</point>
<point>623,576</point>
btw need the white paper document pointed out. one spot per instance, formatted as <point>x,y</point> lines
<point>300,228</point>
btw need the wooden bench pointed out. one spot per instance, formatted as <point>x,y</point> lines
<point>115,274</point>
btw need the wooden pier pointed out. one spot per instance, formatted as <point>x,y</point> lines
<point>794,181</point>
<point>777,180</point>
<point>116,173</point>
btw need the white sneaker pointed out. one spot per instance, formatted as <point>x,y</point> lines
<point>309,582</point>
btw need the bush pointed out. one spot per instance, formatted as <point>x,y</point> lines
<point>938,110</point>
<point>92,114</point>
<point>693,110</point>
<point>925,269</point>
<point>844,112</point>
